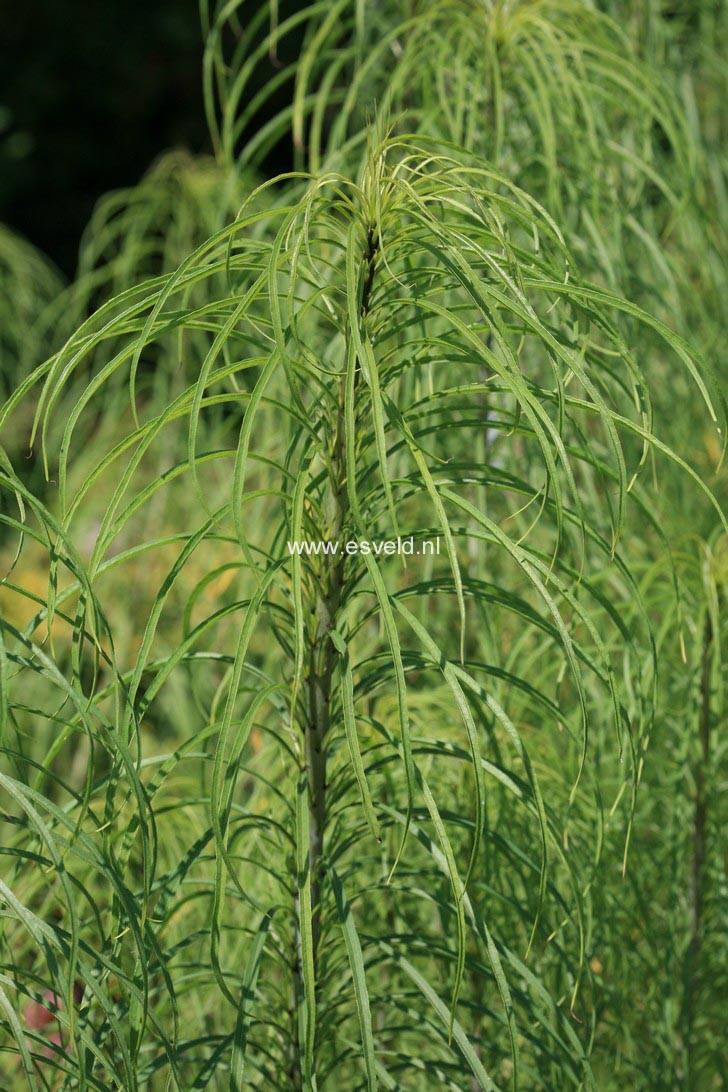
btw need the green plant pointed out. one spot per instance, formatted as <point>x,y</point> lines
<point>290,819</point>
<point>30,286</point>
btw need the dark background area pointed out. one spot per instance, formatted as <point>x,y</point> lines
<point>90,94</point>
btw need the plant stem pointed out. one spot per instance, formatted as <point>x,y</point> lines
<point>325,607</point>
<point>323,658</point>
<point>701,803</point>
<point>700,824</point>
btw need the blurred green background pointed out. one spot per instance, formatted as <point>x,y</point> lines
<point>90,93</point>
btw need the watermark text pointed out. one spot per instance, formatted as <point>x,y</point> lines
<point>387,547</point>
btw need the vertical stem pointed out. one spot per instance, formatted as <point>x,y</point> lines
<point>323,657</point>
<point>701,803</point>
<point>700,823</point>
<point>322,664</point>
